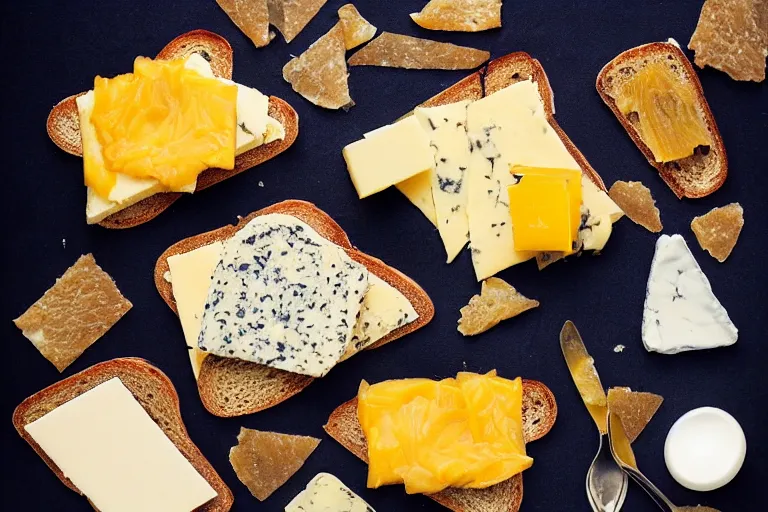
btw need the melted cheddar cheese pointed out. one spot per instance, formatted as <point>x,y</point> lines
<point>429,435</point>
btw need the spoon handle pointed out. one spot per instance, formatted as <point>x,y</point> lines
<point>653,491</point>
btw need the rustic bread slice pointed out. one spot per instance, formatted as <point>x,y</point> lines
<point>63,127</point>
<point>231,387</point>
<point>153,390</point>
<point>697,175</point>
<point>539,414</point>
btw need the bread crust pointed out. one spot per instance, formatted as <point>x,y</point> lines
<point>327,228</point>
<point>669,176</point>
<point>539,415</point>
<point>133,373</point>
<point>63,126</point>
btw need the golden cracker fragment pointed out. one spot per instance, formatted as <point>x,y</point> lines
<point>75,312</point>
<point>251,17</point>
<point>291,16</point>
<point>320,73</point>
<point>634,408</point>
<point>264,461</point>
<point>718,231</point>
<point>459,15</point>
<point>498,300</point>
<point>401,51</point>
<point>357,30</point>
<point>635,199</point>
<point>732,36</point>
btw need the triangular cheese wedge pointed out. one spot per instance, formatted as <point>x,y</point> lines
<point>264,461</point>
<point>681,312</point>
<point>634,408</point>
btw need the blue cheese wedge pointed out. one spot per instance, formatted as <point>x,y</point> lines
<point>681,312</point>
<point>326,493</point>
<point>282,296</point>
<point>446,128</point>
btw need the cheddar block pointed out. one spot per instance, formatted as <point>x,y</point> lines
<point>540,207</point>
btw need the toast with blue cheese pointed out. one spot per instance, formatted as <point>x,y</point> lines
<point>140,201</point>
<point>393,306</point>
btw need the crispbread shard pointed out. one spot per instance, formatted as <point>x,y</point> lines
<point>498,301</point>
<point>284,297</point>
<point>250,16</point>
<point>264,461</point>
<point>634,408</point>
<point>459,15</point>
<point>732,36</point>
<point>401,51</point>
<point>635,199</point>
<point>291,16</point>
<point>718,231</point>
<point>75,312</point>
<point>357,30</point>
<point>320,73</point>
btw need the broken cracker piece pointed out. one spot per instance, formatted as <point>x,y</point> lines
<point>320,73</point>
<point>251,17</point>
<point>357,30</point>
<point>635,409</point>
<point>401,51</point>
<point>718,231</point>
<point>75,312</point>
<point>459,15</point>
<point>264,461</point>
<point>635,199</point>
<point>291,16</point>
<point>498,300</point>
<point>732,36</point>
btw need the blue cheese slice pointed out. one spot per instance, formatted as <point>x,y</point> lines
<point>282,296</point>
<point>326,493</point>
<point>446,128</point>
<point>681,312</point>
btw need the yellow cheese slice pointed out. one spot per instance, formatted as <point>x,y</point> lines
<point>418,190</point>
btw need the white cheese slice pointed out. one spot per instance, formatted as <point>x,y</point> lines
<point>283,296</point>
<point>191,277</point>
<point>681,312</point>
<point>118,457</point>
<point>446,128</point>
<point>326,493</point>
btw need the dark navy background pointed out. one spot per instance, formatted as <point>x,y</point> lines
<point>53,49</point>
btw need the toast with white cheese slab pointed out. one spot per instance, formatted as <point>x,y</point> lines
<point>266,126</point>
<point>233,289</point>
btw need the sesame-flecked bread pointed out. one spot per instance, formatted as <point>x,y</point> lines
<point>697,175</point>
<point>232,387</point>
<point>63,127</point>
<point>539,415</point>
<point>156,394</point>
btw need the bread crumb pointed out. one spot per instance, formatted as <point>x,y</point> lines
<point>619,348</point>
<point>64,243</point>
<point>167,276</point>
<point>261,184</point>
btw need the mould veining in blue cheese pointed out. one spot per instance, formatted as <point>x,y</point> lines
<point>283,296</point>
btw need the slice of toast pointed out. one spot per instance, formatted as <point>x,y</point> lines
<point>63,127</point>
<point>153,390</point>
<point>539,415</point>
<point>697,175</point>
<point>232,387</point>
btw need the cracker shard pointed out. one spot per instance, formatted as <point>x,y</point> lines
<point>264,461</point>
<point>635,409</point>
<point>732,36</point>
<point>635,199</point>
<point>320,73</point>
<point>75,312</point>
<point>401,51</point>
<point>357,30</point>
<point>459,15</point>
<point>498,300</point>
<point>291,16</point>
<point>251,17</point>
<point>719,230</point>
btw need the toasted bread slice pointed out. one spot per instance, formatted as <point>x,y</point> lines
<point>697,175</point>
<point>153,390</point>
<point>64,128</point>
<point>539,415</point>
<point>231,387</point>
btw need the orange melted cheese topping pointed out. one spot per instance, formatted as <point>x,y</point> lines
<point>429,435</point>
<point>162,121</point>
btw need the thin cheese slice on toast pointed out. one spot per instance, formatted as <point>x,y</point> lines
<point>694,176</point>
<point>154,392</point>
<point>231,387</point>
<point>63,127</point>
<point>539,415</point>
